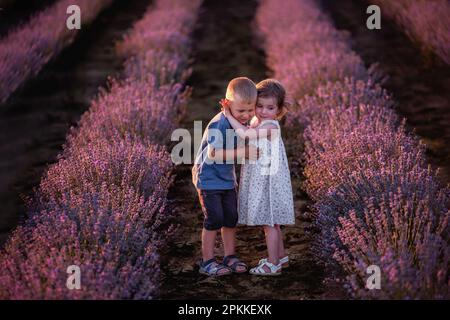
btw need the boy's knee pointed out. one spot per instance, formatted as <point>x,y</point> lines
<point>230,220</point>
<point>211,206</point>
<point>213,223</point>
<point>230,209</point>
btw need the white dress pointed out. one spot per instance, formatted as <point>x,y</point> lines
<point>265,190</point>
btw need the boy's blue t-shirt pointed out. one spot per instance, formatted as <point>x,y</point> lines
<point>207,175</point>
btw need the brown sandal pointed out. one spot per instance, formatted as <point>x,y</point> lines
<point>213,268</point>
<point>234,266</point>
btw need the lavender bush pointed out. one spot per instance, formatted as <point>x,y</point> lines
<point>40,39</point>
<point>376,200</point>
<point>403,233</point>
<point>424,21</point>
<point>138,109</point>
<point>102,206</point>
<point>310,51</point>
<point>337,97</point>
<point>157,43</point>
<point>104,232</point>
<point>117,162</point>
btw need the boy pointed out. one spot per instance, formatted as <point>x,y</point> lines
<point>213,174</point>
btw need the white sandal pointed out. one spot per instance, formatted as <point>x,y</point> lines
<point>283,261</point>
<point>275,270</point>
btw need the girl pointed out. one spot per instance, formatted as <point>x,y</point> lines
<point>265,191</point>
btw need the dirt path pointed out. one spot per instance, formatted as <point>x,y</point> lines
<point>420,86</point>
<point>34,123</point>
<point>223,50</point>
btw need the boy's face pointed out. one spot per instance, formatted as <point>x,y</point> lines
<point>241,110</point>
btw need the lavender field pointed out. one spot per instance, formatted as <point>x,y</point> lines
<point>88,177</point>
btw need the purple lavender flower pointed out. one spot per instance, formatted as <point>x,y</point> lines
<point>102,206</point>
<point>376,200</point>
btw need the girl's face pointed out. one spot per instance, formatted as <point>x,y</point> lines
<point>266,108</point>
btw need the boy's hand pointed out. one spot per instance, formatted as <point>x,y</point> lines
<point>252,153</point>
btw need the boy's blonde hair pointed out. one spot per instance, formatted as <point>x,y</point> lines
<point>271,88</point>
<point>242,87</point>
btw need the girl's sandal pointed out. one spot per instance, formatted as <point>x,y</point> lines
<point>212,268</point>
<point>234,266</point>
<point>283,261</point>
<point>275,270</point>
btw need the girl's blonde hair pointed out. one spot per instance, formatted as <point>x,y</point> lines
<point>242,87</point>
<point>271,88</point>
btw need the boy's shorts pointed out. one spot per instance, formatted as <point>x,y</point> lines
<point>219,208</point>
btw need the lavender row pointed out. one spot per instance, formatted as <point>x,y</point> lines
<point>103,205</point>
<point>26,50</point>
<point>424,21</point>
<point>376,200</point>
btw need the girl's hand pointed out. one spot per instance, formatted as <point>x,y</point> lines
<point>254,122</point>
<point>225,107</point>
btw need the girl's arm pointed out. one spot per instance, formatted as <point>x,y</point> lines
<point>244,132</point>
<point>220,156</point>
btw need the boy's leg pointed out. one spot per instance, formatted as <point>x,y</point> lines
<point>272,244</point>
<point>229,204</point>
<point>208,241</point>
<point>210,201</point>
<point>230,218</point>
<point>229,240</point>
<point>281,251</point>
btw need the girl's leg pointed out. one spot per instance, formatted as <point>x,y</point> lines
<point>272,244</point>
<point>281,251</point>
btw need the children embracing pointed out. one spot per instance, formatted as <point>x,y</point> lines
<point>246,131</point>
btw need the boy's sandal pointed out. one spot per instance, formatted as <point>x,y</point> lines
<point>275,270</point>
<point>213,268</point>
<point>234,266</point>
<point>283,261</point>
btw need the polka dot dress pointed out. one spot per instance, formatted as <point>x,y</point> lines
<point>265,190</point>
